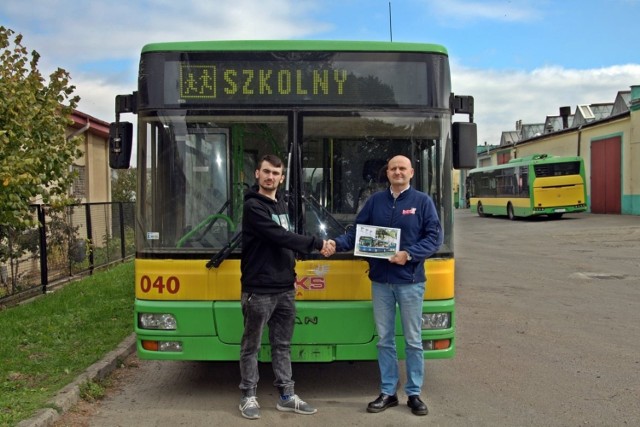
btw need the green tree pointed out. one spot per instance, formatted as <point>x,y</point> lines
<point>35,155</point>
<point>123,185</point>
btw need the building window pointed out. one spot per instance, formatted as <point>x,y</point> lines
<point>79,189</point>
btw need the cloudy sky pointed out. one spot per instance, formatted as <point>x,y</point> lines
<point>520,59</point>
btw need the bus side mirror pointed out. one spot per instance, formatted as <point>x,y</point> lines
<point>465,142</point>
<point>120,142</point>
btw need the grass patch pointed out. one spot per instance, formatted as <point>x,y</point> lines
<point>93,390</point>
<point>49,341</point>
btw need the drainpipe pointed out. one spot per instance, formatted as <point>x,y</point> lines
<point>579,139</point>
<point>80,131</point>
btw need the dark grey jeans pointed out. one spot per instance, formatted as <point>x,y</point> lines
<point>278,312</point>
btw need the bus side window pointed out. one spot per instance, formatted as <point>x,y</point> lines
<point>524,181</point>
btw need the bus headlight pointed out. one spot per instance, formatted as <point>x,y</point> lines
<point>436,320</point>
<point>163,321</point>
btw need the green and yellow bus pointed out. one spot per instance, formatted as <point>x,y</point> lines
<point>530,186</point>
<point>335,112</point>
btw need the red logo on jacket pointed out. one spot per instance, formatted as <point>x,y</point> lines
<point>411,211</point>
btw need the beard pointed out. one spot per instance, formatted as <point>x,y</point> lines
<point>268,186</point>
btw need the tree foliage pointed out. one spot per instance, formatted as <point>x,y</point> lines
<point>35,155</point>
<point>123,185</point>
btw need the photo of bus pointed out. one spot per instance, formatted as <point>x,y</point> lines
<point>535,185</point>
<point>373,245</point>
<point>335,112</point>
<point>375,241</point>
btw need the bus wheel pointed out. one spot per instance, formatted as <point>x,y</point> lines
<point>480,210</point>
<point>510,213</point>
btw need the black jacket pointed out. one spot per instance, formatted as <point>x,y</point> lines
<point>268,245</point>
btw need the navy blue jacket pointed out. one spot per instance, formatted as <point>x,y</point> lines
<point>414,213</point>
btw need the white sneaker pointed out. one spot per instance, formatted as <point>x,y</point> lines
<point>295,404</point>
<point>249,407</point>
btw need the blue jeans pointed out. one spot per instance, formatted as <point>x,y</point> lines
<point>277,311</point>
<point>408,297</point>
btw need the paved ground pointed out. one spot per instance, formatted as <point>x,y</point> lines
<point>547,334</point>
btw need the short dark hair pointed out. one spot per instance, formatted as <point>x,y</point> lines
<point>271,158</point>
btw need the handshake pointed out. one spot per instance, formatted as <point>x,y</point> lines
<point>328,248</point>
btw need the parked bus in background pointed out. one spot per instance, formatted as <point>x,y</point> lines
<point>335,112</point>
<point>530,186</point>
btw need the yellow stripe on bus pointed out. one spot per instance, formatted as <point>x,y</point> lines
<point>516,202</point>
<point>318,280</point>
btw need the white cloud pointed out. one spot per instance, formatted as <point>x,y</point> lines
<point>97,97</point>
<point>456,11</point>
<point>99,43</point>
<point>84,37</point>
<point>503,97</point>
<point>94,31</point>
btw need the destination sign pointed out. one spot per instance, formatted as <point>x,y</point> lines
<point>375,83</point>
<point>213,82</point>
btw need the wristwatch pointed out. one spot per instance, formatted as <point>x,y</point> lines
<point>409,257</point>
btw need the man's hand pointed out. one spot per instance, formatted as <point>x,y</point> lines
<point>401,258</point>
<point>328,248</point>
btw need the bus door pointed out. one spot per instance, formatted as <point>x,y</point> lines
<point>185,186</point>
<point>204,154</point>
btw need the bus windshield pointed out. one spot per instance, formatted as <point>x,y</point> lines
<point>557,169</point>
<point>195,169</point>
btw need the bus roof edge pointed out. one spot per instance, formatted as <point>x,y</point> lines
<point>294,45</point>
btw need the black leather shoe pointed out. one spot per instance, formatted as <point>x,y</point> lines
<point>383,402</point>
<point>418,407</point>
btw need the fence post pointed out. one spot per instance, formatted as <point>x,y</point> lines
<point>87,208</point>
<point>42,230</point>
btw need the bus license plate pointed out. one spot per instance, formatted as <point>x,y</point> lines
<point>559,210</point>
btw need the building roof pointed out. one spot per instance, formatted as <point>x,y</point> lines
<point>622,102</point>
<point>584,114</point>
<point>485,149</point>
<point>531,130</point>
<point>554,123</point>
<point>95,126</point>
<point>601,111</point>
<point>509,137</point>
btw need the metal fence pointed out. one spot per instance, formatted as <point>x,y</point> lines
<point>69,241</point>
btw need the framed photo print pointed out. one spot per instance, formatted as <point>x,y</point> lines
<point>376,242</point>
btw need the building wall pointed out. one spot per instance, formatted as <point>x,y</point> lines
<point>94,183</point>
<point>631,165</point>
<point>99,188</point>
<point>578,142</point>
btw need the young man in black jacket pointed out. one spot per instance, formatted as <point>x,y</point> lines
<point>268,291</point>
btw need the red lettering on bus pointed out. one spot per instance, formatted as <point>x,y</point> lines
<point>172,285</point>
<point>317,282</point>
<point>145,284</point>
<point>157,284</point>
<point>310,283</point>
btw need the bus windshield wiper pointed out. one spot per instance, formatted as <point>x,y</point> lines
<point>233,243</point>
<point>322,211</point>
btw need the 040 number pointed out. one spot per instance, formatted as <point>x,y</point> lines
<point>171,284</point>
